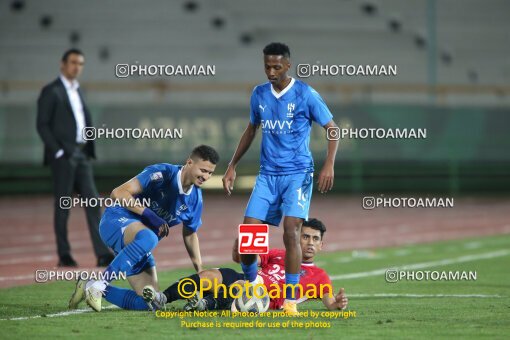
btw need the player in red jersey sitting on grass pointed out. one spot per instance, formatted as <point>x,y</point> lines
<point>272,270</point>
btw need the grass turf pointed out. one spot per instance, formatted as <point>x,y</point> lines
<point>388,310</point>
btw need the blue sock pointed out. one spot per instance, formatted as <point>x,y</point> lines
<point>145,240</point>
<point>125,298</point>
<point>290,291</point>
<point>250,271</point>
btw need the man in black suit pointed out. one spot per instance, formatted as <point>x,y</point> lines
<point>61,117</point>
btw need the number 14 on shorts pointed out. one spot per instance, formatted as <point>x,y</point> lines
<point>253,239</point>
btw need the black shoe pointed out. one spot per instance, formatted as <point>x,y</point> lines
<point>105,260</point>
<point>67,261</point>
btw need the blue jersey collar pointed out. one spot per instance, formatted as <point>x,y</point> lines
<point>179,184</point>
<point>285,90</point>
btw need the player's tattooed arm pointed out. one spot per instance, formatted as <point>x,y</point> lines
<point>327,174</point>
<point>193,247</point>
<point>243,146</point>
<point>339,301</point>
<point>125,194</point>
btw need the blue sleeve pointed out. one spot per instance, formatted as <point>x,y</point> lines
<point>254,110</point>
<point>152,176</point>
<point>319,111</point>
<point>196,219</point>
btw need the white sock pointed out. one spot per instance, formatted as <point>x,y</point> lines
<point>99,285</point>
<point>89,283</point>
<point>161,298</point>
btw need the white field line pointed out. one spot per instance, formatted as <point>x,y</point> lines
<point>444,262</point>
<point>160,265</point>
<point>383,295</point>
<point>61,270</point>
<point>386,295</point>
<point>461,259</point>
<point>17,277</point>
<point>56,315</point>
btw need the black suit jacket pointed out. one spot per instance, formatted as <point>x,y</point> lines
<point>56,123</point>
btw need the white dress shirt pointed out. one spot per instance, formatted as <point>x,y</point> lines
<point>77,107</point>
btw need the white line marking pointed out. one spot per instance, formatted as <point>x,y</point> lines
<point>168,264</point>
<point>17,278</point>
<point>426,295</point>
<point>383,295</point>
<point>466,258</point>
<point>444,262</point>
<point>56,315</point>
<point>402,252</point>
<point>472,245</point>
<point>344,259</point>
<point>80,245</point>
<point>32,276</point>
<point>41,248</point>
<point>39,259</point>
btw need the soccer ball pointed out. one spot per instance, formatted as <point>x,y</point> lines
<point>250,302</point>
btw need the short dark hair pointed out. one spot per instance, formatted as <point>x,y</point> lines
<point>315,224</point>
<point>205,153</point>
<point>276,48</point>
<point>69,52</point>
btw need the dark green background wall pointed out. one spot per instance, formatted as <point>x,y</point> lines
<point>466,149</point>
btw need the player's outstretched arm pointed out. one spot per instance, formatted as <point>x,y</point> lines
<point>338,301</point>
<point>327,174</point>
<point>243,146</point>
<point>193,247</point>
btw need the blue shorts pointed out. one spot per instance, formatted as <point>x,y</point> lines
<point>275,196</point>
<point>111,228</point>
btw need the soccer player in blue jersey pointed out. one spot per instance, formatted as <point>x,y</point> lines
<point>133,231</point>
<point>284,109</point>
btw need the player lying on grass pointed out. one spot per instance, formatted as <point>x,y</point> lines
<point>134,231</point>
<point>272,270</point>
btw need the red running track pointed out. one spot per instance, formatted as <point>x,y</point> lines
<point>27,242</point>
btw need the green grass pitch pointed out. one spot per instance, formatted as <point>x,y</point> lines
<point>406,309</point>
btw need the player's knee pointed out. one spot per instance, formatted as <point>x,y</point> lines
<point>210,274</point>
<point>290,236</point>
<point>291,227</point>
<point>147,239</point>
<point>247,258</point>
<point>290,243</point>
<point>235,252</point>
<point>205,274</point>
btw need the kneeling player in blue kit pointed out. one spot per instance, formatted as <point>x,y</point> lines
<point>133,231</point>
